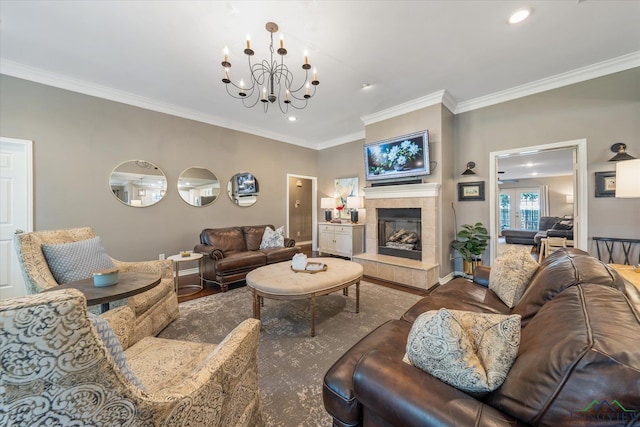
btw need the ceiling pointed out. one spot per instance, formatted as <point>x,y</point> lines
<point>541,164</point>
<point>165,55</point>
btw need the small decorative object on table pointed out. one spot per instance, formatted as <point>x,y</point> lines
<point>185,254</point>
<point>299,262</point>
<point>311,268</point>
<point>105,277</point>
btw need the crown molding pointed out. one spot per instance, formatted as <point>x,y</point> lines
<point>341,140</point>
<point>440,97</point>
<point>599,69</point>
<point>48,78</point>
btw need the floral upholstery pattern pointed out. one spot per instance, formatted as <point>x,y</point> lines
<point>55,370</point>
<point>153,310</point>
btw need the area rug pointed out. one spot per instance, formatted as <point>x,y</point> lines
<point>291,363</point>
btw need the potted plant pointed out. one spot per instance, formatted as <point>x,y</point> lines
<point>471,242</point>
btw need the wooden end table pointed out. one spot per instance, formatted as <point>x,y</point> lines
<point>129,284</point>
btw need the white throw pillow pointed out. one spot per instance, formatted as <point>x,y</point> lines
<point>272,238</point>
<point>470,351</point>
<point>510,274</point>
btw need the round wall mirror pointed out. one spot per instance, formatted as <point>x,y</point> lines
<point>198,186</point>
<point>138,183</point>
<point>243,189</point>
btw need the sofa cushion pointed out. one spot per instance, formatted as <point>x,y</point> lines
<point>112,343</point>
<point>579,347</point>
<point>470,351</point>
<point>510,274</point>
<point>562,269</point>
<point>74,261</point>
<point>240,261</point>
<point>253,235</point>
<point>563,225</point>
<point>458,294</point>
<point>229,239</point>
<point>279,254</point>
<point>272,238</point>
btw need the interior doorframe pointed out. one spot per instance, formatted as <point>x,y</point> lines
<point>580,177</point>
<point>314,207</point>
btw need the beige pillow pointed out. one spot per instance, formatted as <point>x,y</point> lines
<point>470,351</point>
<point>510,274</point>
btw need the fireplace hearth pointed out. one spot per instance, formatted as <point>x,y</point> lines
<point>399,232</point>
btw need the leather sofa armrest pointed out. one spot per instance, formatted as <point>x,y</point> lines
<point>212,252</point>
<point>289,243</point>
<point>404,395</point>
<point>481,275</point>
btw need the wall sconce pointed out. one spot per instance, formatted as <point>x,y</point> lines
<point>469,170</point>
<point>569,198</point>
<point>354,203</point>
<point>628,179</point>
<point>299,184</point>
<point>619,148</point>
<point>327,203</point>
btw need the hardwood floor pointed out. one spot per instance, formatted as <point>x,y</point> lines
<point>211,289</point>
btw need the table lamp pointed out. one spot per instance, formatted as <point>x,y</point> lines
<point>628,179</point>
<point>327,203</point>
<point>354,203</point>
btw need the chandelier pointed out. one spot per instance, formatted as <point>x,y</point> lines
<point>271,81</point>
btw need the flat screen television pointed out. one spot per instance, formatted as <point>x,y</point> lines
<point>246,184</point>
<point>398,157</point>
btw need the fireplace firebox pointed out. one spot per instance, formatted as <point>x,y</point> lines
<point>399,232</point>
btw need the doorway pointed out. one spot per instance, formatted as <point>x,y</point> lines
<point>301,209</point>
<point>16,199</point>
<point>579,177</point>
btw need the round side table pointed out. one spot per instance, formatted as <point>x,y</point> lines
<point>186,290</point>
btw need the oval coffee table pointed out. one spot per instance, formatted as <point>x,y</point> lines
<point>280,282</point>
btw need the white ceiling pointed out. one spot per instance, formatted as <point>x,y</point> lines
<point>536,165</point>
<point>165,55</point>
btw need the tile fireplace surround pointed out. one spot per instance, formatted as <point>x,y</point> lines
<point>419,274</point>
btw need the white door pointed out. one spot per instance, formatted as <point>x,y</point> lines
<point>519,208</point>
<point>16,209</point>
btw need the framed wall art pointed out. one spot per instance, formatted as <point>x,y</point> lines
<point>345,187</point>
<point>469,191</point>
<point>606,184</point>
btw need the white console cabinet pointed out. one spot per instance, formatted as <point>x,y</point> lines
<point>341,239</point>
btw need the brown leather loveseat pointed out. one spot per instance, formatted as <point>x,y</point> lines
<point>230,253</point>
<point>578,362</point>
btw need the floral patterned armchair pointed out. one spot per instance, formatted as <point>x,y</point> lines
<point>58,369</point>
<point>152,310</point>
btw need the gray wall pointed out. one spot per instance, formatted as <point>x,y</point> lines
<point>603,111</point>
<point>79,139</point>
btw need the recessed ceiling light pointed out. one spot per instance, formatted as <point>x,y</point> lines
<point>292,118</point>
<point>519,16</point>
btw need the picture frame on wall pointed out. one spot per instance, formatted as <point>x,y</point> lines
<point>345,187</point>
<point>606,184</point>
<point>471,191</point>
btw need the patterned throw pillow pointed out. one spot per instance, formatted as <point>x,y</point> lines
<point>470,351</point>
<point>510,274</point>
<point>74,261</point>
<point>272,238</point>
<point>112,343</point>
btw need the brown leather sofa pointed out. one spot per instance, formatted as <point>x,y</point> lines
<point>230,253</point>
<point>579,344</point>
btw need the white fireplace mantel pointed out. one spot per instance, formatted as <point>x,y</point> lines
<point>402,191</point>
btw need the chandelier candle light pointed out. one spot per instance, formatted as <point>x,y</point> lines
<point>270,80</point>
